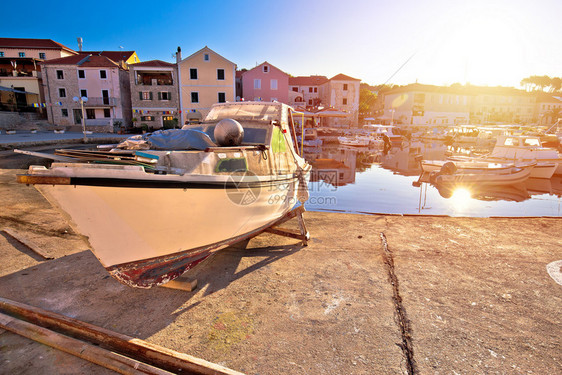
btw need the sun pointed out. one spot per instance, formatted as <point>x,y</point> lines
<point>461,198</point>
<point>485,45</point>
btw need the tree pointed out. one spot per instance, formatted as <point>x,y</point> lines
<point>367,100</point>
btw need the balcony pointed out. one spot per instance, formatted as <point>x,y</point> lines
<point>21,73</point>
<point>155,79</point>
<point>100,102</point>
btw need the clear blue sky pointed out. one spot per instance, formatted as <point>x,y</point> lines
<point>491,42</point>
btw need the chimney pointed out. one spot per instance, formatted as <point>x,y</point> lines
<point>178,55</point>
<point>80,41</point>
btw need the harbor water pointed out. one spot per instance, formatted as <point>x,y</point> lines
<point>362,180</point>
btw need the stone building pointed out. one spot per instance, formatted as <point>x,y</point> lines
<point>342,93</point>
<point>102,81</point>
<point>154,94</point>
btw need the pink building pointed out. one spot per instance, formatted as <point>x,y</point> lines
<point>102,81</point>
<point>265,83</point>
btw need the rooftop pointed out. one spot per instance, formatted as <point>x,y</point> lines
<point>91,61</point>
<point>32,43</point>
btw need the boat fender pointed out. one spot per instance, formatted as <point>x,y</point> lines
<point>448,168</point>
<point>228,132</point>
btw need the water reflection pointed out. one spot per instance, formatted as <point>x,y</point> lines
<point>366,180</point>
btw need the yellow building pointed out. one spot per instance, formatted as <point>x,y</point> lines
<point>128,57</point>
<point>206,78</point>
<point>21,84</point>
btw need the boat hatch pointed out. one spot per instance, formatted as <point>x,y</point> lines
<point>231,165</point>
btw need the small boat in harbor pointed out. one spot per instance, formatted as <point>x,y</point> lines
<point>478,173</point>
<point>355,141</point>
<point>523,148</point>
<point>159,204</point>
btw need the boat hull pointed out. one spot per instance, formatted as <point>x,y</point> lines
<point>517,175</point>
<point>148,236</point>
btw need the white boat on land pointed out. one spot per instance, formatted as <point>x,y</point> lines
<point>152,210</point>
<point>524,148</point>
<point>477,173</point>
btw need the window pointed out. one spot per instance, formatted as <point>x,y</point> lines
<point>81,74</point>
<point>310,89</point>
<point>164,95</point>
<point>42,56</point>
<point>316,89</point>
<point>84,93</point>
<point>345,86</point>
<point>145,95</point>
<point>167,118</point>
<point>103,74</point>
<point>147,118</point>
<point>91,114</point>
<point>60,74</point>
<point>222,97</point>
<point>295,89</point>
<point>220,74</point>
<point>1,54</point>
<point>193,73</point>
<point>64,112</point>
<point>105,96</point>
<point>344,101</point>
<point>309,101</point>
<point>62,93</point>
<point>206,57</point>
<point>257,83</point>
<point>265,69</point>
<point>273,84</point>
<point>106,112</point>
<point>195,97</point>
<point>21,54</point>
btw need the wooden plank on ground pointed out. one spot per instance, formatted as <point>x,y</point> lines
<point>152,354</point>
<point>99,356</point>
<point>27,243</point>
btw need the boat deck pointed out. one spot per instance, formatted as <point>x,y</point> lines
<point>464,295</point>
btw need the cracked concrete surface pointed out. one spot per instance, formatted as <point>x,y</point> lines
<point>476,292</point>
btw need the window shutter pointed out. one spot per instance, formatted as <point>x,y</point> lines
<point>151,97</point>
<point>140,95</point>
<point>169,95</point>
<point>159,95</point>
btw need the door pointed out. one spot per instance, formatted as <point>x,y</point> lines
<point>21,99</point>
<point>77,116</point>
<point>105,96</point>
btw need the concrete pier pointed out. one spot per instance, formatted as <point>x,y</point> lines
<point>369,295</point>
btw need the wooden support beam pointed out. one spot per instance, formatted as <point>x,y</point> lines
<point>304,236</point>
<point>146,352</point>
<point>181,283</point>
<point>27,243</point>
<point>99,356</point>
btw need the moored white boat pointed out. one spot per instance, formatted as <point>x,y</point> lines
<point>150,221</point>
<point>478,173</point>
<point>523,148</point>
<point>354,141</point>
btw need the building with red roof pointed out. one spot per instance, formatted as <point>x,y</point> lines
<point>102,83</point>
<point>154,94</point>
<point>20,70</point>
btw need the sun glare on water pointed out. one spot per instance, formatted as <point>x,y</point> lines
<point>461,198</point>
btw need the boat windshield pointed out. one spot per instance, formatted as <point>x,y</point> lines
<point>259,112</point>
<point>252,134</point>
<point>532,142</point>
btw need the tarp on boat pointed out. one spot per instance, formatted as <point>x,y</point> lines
<point>172,139</point>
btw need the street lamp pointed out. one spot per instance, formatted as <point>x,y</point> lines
<point>82,100</point>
